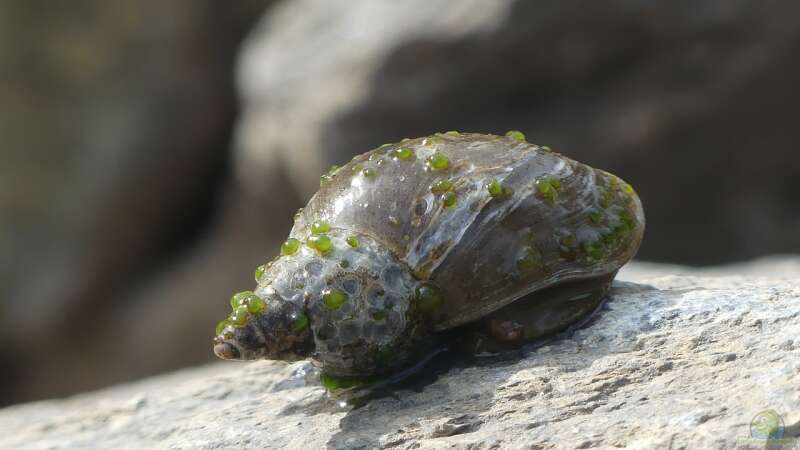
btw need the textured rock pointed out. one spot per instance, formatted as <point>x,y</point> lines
<point>784,267</point>
<point>670,362</point>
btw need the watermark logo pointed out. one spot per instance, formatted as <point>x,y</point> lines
<point>767,425</point>
<point>767,430</point>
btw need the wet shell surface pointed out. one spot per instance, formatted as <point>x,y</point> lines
<point>425,235</point>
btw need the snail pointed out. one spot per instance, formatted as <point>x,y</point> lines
<point>506,240</point>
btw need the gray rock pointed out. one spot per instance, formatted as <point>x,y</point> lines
<point>670,362</point>
<point>785,267</point>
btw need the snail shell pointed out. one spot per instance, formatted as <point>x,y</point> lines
<point>425,235</point>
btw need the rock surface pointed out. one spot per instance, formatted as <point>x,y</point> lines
<point>670,362</point>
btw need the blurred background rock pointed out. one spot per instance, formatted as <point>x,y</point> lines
<point>154,152</point>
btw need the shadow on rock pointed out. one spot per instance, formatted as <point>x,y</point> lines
<point>451,393</point>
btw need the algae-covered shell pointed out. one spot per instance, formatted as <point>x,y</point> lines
<point>428,234</point>
<point>548,219</point>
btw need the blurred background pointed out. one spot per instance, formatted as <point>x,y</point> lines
<point>155,152</point>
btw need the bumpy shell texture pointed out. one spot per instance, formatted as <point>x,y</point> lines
<point>554,219</point>
<point>431,233</point>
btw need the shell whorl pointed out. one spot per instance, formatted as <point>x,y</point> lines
<point>355,293</point>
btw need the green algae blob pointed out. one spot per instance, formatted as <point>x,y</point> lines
<point>497,190</point>
<point>255,305</point>
<point>260,272</point>
<point>441,186</point>
<point>334,298</point>
<point>321,243</point>
<point>241,298</point>
<point>320,227</point>
<point>547,188</point>
<point>299,322</point>
<point>403,154</point>
<point>239,316</point>
<point>243,303</point>
<point>627,188</point>
<point>221,326</point>
<point>352,241</point>
<point>516,135</point>
<point>494,187</point>
<point>449,199</point>
<point>438,161</point>
<point>290,247</point>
